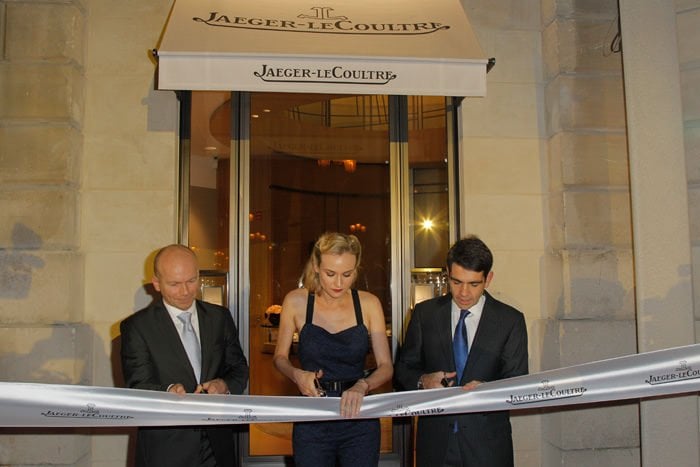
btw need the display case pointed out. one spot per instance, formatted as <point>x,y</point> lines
<point>427,283</point>
<point>213,286</point>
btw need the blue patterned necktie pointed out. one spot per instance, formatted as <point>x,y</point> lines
<point>191,343</point>
<point>460,345</point>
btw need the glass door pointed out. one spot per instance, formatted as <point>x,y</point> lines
<point>317,163</point>
<point>264,174</point>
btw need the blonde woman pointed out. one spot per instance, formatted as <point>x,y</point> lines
<point>336,326</point>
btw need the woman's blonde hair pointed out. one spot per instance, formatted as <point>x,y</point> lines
<point>330,243</point>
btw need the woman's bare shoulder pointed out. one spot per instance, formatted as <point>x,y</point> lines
<point>368,299</point>
<point>296,299</point>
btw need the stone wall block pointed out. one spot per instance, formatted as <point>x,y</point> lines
<point>556,145</point>
<point>44,31</point>
<point>550,50</point>
<point>691,140</point>
<point>58,354</point>
<point>510,166</point>
<point>592,159</point>
<point>584,46</point>
<point>603,427</point>
<point>117,221</point>
<point>688,30</point>
<point>39,155</point>
<point>690,93</point>
<point>597,9</point>
<point>548,11</point>
<point>552,284</point>
<point>620,457</point>
<point>695,255</point>
<point>555,219</point>
<point>510,14</point>
<point>43,449</point>
<point>583,341</point>
<point>552,107</point>
<point>598,218</point>
<point>597,284</point>
<point>524,211</point>
<point>511,110</point>
<point>590,102</point>
<point>694,215</point>
<point>38,219</point>
<point>517,53</point>
<point>41,91</point>
<point>40,287</point>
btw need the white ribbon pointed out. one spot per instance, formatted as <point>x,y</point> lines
<point>664,372</point>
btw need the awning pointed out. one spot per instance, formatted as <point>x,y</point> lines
<point>404,47</point>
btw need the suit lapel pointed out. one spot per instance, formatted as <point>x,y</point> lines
<point>206,336</point>
<point>444,324</point>
<point>483,332</point>
<point>164,324</point>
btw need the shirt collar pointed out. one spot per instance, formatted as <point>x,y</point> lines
<point>474,311</point>
<point>174,311</point>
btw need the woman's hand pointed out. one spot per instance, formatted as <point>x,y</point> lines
<point>351,400</point>
<point>306,382</point>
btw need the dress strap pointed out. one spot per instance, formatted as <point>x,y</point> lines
<point>358,309</point>
<point>310,308</point>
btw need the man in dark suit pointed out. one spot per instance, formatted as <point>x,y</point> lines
<point>182,345</point>
<point>493,341</point>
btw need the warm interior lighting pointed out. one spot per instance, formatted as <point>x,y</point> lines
<point>258,237</point>
<point>355,228</point>
<point>427,224</point>
<point>350,165</point>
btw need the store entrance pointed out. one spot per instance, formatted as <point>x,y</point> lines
<point>270,172</point>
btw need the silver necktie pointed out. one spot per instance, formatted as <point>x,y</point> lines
<point>191,343</point>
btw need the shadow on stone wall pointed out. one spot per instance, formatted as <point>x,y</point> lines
<point>143,296</point>
<point>63,353</point>
<point>16,265</point>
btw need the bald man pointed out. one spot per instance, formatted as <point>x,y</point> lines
<point>183,345</point>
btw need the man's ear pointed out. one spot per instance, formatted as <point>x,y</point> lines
<point>489,276</point>
<point>156,283</point>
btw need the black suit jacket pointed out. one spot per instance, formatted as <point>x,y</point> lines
<point>153,357</point>
<point>499,351</point>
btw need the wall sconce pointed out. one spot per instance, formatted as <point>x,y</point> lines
<point>357,228</point>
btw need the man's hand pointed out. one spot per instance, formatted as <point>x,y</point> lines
<point>214,386</point>
<point>438,379</point>
<point>177,388</point>
<point>471,385</point>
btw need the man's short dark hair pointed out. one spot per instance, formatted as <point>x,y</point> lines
<point>471,254</point>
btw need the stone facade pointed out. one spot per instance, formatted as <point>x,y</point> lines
<point>88,170</point>
<point>594,318</point>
